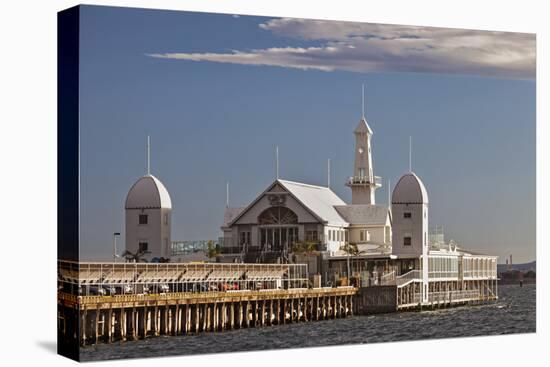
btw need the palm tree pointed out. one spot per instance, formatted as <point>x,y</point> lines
<point>137,257</point>
<point>304,248</point>
<point>351,249</point>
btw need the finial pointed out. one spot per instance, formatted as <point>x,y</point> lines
<point>410,153</point>
<point>328,173</point>
<point>148,155</point>
<point>277,161</point>
<point>363,100</point>
<point>227,194</point>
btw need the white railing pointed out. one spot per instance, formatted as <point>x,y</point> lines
<point>450,296</point>
<point>406,278</point>
<point>388,278</point>
<point>442,274</point>
<point>481,273</point>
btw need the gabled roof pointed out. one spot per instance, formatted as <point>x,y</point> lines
<point>230,214</point>
<point>364,213</point>
<point>318,200</point>
<point>363,127</point>
<point>148,192</point>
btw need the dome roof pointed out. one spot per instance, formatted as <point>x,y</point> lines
<point>409,190</point>
<point>148,192</point>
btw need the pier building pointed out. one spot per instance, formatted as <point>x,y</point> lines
<point>363,243</point>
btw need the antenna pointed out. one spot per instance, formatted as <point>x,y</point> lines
<point>227,194</point>
<point>363,100</point>
<point>277,160</point>
<point>328,173</point>
<point>148,155</point>
<point>410,153</point>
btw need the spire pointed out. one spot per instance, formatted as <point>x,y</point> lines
<point>410,153</point>
<point>148,155</point>
<point>363,127</point>
<point>363,101</point>
<point>277,161</point>
<point>328,173</point>
<point>227,194</point>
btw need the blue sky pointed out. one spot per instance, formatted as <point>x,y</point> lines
<point>466,97</point>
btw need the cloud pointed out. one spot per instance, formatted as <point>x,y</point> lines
<point>364,47</point>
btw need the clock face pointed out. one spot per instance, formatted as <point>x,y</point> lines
<point>361,150</point>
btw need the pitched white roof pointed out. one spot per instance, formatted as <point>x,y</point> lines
<point>318,199</point>
<point>148,192</point>
<point>364,213</point>
<point>410,189</point>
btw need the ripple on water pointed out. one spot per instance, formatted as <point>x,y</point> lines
<point>515,312</point>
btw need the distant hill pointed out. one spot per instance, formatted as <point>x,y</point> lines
<point>520,267</point>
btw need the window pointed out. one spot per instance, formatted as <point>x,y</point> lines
<point>165,219</point>
<point>143,218</point>
<point>362,172</point>
<point>407,241</point>
<point>407,215</point>
<point>311,236</point>
<point>364,235</point>
<point>143,246</point>
<point>245,238</point>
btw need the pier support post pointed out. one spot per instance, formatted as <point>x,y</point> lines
<point>83,328</point>
<point>96,327</point>
<point>110,325</point>
<point>263,313</point>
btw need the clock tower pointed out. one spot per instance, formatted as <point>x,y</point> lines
<point>363,183</point>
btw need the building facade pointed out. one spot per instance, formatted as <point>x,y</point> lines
<point>148,214</point>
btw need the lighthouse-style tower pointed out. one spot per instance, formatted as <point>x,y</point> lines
<point>363,183</point>
<point>148,216</point>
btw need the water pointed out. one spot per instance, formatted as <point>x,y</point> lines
<point>513,313</point>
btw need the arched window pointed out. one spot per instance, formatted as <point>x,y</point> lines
<point>277,215</point>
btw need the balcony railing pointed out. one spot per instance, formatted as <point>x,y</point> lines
<point>413,275</point>
<point>359,180</point>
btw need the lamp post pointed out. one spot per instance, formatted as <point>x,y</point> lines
<point>114,245</point>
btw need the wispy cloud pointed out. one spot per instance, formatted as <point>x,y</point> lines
<point>364,47</point>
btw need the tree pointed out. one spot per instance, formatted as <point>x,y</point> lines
<point>212,250</point>
<point>137,257</point>
<point>352,250</point>
<point>305,248</point>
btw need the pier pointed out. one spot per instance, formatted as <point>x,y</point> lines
<point>117,302</point>
<point>94,306</point>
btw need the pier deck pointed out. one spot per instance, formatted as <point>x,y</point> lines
<point>131,317</point>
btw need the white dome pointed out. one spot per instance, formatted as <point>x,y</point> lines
<point>409,190</point>
<point>148,192</point>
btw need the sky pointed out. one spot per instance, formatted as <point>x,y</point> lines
<point>218,92</point>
